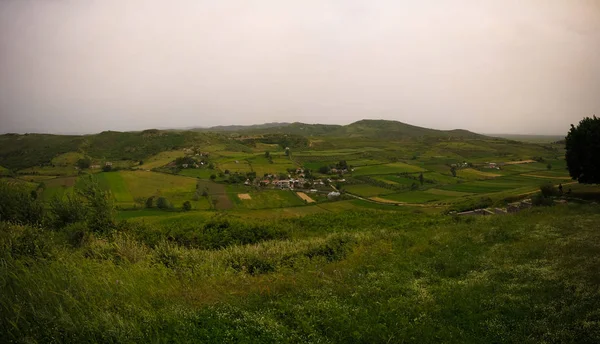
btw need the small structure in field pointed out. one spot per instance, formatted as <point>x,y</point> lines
<point>333,195</point>
<point>476,212</point>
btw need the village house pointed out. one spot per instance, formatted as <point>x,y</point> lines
<point>108,163</point>
<point>283,183</point>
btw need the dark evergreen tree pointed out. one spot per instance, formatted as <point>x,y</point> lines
<point>582,146</point>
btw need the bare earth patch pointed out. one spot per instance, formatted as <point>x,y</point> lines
<point>244,196</point>
<point>305,197</point>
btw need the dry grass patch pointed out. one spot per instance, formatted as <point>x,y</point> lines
<point>244,196</point>
<point>305,197</point>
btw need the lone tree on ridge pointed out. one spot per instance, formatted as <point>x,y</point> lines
<point>582,151</point>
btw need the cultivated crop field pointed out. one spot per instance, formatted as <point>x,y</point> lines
<point>387,169</point>
<point>367,190</point>
<point>268,199</point>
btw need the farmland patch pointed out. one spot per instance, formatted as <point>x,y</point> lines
<point>396,167</point>
<point>305,197</point>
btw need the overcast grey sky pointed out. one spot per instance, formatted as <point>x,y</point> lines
<point>492,66</point>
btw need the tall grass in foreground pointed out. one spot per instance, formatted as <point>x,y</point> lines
<point>362,277</point>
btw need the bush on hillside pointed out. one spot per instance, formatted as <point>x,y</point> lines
<point>101,210</point>
<point>17,205</point>
<point>540,200</point>
<point>67,210</point>
<point>163,203</point>
<point>548,190</point>
<point>150,202</point>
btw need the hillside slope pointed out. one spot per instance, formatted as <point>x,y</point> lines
<point>398,130</point>
<point>22,151</point>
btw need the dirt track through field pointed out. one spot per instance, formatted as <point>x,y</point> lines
<point>519,162</point>
<point>305,197</point>
<point>383,200</point>
<point>244,196</point>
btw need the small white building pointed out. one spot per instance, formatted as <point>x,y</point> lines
<point>333,195</point>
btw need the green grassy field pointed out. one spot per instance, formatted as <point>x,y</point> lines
<point>57,187</point>
<point>266,199</point>
<point>161,159</point>
<point>202,173</point>
<point>67,159</point>
<point>366,190</point>
<point>397,167</point>
<point>417,197</point>
<point>327,273</point>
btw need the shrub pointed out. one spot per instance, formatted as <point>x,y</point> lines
<point>101,213</point>
<point>187,206</point>
<point>67,210</point>
<point>84,163</point>
<point>150,202</point>
<point>548,190</point>
<point>163,203</point>
<point>17,205</point>
<point>540,200</point>
<point>77,234</point>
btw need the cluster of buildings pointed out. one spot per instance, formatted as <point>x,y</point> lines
<point>289,183</point>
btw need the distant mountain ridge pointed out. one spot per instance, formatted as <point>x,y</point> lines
<point>21,151</point>
<point>244,127</point>
<point>367,128</point>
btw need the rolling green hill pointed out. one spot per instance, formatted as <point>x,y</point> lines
<point>397,130</point>
<point>22,151</point>
<point>367,128</point>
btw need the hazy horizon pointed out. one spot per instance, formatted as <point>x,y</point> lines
<point>488,66</point>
